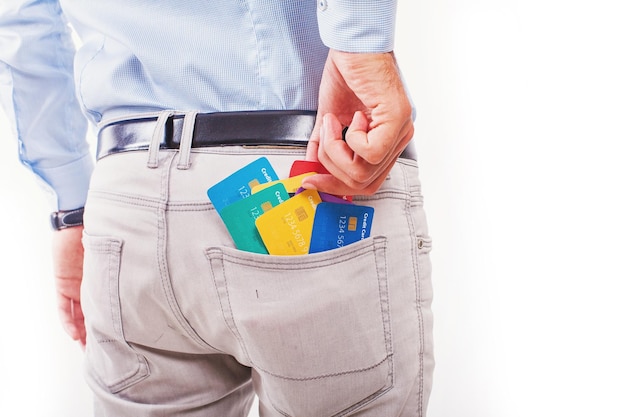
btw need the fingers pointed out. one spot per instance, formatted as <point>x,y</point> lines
<point>366,93</point>
<point>379,144</point>
<point>314,141</point>
<point>72,319</point>
<point>361,163</point>
<point>67,253</point>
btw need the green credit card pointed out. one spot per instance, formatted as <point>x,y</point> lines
<point>240,217</point>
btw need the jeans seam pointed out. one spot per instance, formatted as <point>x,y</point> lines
<point>166,283</point>
<point>384,295</point>
<point>114,298</point>
<point>227,315</point>
<point>112,250</point>
<point>268,262</point>
<point>418,290</point>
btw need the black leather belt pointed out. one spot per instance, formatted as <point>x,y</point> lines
<point>269,128</point>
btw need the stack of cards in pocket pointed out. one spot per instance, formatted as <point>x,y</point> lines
<point>268,215</point>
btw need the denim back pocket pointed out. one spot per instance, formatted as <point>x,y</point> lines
<point>110,360</point>
<point>316,328</point>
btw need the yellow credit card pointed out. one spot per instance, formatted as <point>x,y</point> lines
<point>291,184</point>
<point>286,229</point>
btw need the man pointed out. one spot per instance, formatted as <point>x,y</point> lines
<point>177,321</point>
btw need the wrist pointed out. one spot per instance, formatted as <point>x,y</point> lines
<point>64,219</point>
<point>367,59</point>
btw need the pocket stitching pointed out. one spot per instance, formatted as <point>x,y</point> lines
<point>377,247</point>
<point>112,247</point>
<point>307,262</point>
<point>378,244</point>
<point>212,256</point>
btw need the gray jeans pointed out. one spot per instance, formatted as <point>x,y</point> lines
<point>180,323</point>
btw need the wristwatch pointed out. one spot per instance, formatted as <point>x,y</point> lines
<point>66,218</point>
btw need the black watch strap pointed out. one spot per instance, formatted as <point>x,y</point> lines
<point>66,218</point>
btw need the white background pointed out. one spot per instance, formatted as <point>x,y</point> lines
<point>521,120</point>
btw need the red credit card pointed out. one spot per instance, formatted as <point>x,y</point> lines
<point>300,167</point>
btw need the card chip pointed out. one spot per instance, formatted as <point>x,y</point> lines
<point>352,224</point>
<point>253,183</point>
<point>266,206</point>
<point>301,214</point>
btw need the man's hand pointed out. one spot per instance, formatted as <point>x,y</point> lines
<point>67,258</point>
<point>365,93</point>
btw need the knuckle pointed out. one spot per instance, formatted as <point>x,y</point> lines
<point>360,178</point>
<point>374,156</point>
<point>368,191</point>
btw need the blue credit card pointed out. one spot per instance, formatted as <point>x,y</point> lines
<point>239,184</point>
<point>337,225</point>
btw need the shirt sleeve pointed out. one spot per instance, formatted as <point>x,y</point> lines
<point>38,95</point>
<point>364,26</point>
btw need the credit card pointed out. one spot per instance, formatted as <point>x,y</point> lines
<point>291,184</point>
<point>286,229</point>
<point>239,184</point>
<point>240,217</point>
<point>302,167</point>
<point>328,198</point>
<point>338,225</point>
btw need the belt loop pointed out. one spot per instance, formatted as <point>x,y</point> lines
<point>186,137</point>
<point>157,137</point>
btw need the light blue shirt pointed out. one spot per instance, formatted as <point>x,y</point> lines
<point>149,55</point>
